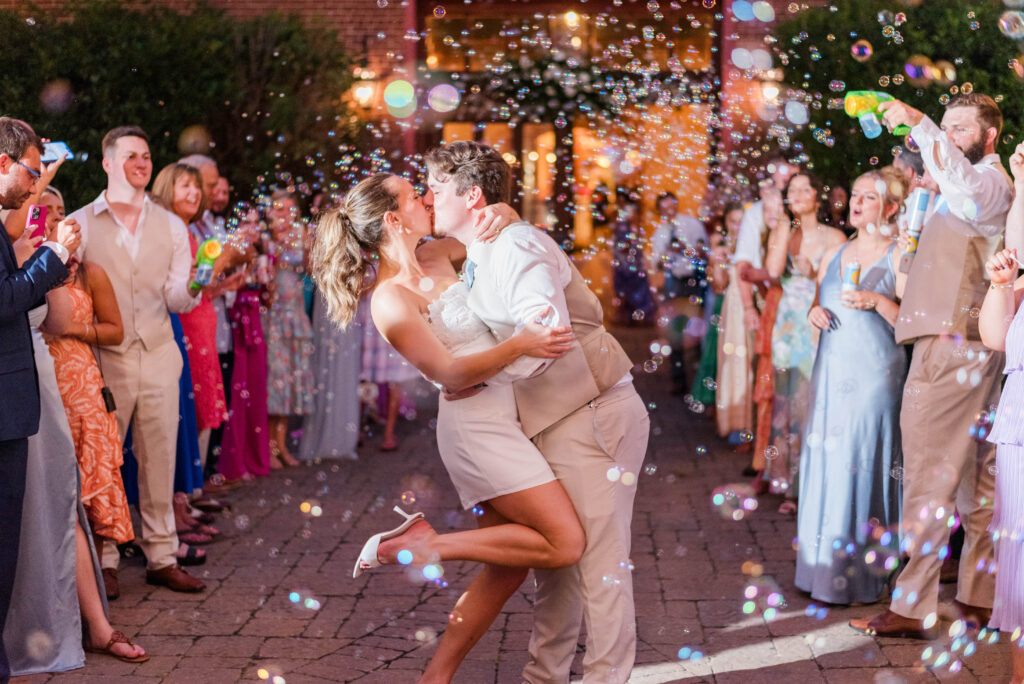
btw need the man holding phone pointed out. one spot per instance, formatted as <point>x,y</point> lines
<point>21,288</point>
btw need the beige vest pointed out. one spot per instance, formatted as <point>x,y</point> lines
<point>138,285</point>
<point>947,282</point>
<point>592,367</point>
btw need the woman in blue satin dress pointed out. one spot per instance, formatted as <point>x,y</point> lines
<point>850,460</point>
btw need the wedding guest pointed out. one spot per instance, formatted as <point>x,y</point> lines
<point>25,285</point>
<point>759,295</point>
<point>838,200</point>
<point>851,442</point>
<point>734,379</point>
<point>797,243</point>
<point>386,368</point>
<point>704,389</point>
<point>144,250</point>
<point>94,319</point>
<point>58,575</point>
<point>678,249</point>
<point>245,449</point>
<point>629,275</point>
<point>289,334</point>
<point>952,375</point>
<point>1001,326</point>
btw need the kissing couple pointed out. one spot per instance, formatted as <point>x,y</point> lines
<point>539,417</point>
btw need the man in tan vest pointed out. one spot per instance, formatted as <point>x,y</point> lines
<point>952,376</point>
<point>581,411</point>
<point>145,251</point>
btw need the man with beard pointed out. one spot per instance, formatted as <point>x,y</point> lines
<point>952,376</point>
<point>21,289</point>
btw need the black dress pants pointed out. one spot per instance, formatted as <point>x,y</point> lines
<point>13,464</point>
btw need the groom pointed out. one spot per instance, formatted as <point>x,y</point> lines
<point>581,411</point>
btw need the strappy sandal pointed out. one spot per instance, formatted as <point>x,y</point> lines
<point>118,637</point>
<point>191,557</point>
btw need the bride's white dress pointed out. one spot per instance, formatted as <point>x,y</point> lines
<point>481,443</point>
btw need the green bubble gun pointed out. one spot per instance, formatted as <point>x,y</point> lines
<point>205,256</point>
<point>863,106</point>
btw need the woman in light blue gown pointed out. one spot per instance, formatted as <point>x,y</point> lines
<point>851,456</point>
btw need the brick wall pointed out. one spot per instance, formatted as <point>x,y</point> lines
<point>354,20</point>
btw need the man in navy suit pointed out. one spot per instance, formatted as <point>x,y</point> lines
<point>21,288</point>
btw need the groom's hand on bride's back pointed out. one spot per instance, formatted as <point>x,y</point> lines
<point>493,219</point>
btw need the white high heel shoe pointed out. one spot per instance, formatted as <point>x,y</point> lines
<point>368,556</point>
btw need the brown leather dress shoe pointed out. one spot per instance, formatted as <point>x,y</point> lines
<point>975,616</point>
<point>110,585</point>
<point>174,578</point>
<point>890,624</point>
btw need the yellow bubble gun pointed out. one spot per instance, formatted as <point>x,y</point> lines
<point>205,256</point>
<point>863,106</point>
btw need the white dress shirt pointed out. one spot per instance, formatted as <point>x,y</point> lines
<point>177,296</point>
<point>749,240</point>
<point>978,194</point>
<point>688,232</point>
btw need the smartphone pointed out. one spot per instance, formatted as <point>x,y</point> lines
<point>36,223</point>
<point>52,151</point>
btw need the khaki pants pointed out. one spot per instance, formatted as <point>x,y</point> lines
<point>944,468</point>
<point>608,434</point>
<point>145,387</point>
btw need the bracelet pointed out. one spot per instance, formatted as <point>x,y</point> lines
<point>85,337</point>
<point>1005,286</point>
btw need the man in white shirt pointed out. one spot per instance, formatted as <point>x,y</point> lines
<point>580,410</point>
<point>952,375</point>
<point>145,251</point>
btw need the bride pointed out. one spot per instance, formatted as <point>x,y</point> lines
<point>420,306</point>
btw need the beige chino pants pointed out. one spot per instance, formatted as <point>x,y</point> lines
<point>944,468</point>
<point>145,387</point>
<point>608,434</point>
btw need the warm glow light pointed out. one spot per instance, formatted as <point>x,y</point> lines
<point>770,91</point>
<point>572,19</point>
<point>509,158</point>
<point>604,162</point>
<point>432,61</point>
<point>363,94</point>
<point>550,157</point>
<point>576,42</point>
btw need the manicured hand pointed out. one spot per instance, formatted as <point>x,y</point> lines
<point>1002,267</point>
<point>819,318</point>
<point>493,219</point>
<point>69,234</point>
<point>862,301</point>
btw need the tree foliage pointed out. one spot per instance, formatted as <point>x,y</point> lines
<point>814,48</point>
<point>266,92</point>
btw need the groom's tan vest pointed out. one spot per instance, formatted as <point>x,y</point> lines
<point>947,282</point>
<point>592,367</point>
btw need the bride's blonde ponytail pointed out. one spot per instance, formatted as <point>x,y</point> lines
<point>346,240</point>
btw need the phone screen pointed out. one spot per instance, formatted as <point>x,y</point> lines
<point>52,151</point>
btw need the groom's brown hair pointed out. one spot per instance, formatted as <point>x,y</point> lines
<point>471,163</point>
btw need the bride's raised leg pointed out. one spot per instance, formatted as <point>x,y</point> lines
<point>543,532</point>
<point>474,612</point>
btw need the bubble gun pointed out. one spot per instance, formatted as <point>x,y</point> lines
<point>863,106</point>
<point>205,256</point>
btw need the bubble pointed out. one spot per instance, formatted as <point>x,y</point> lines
<point>628,479</point>
<point>837,86</point>
<point>38,645</point>
<point>861,50</point>
<point>701,449</point>
<point>439,11</point>
<point>734,501</point>
<point>408,498</point>
<point>242,521</point>
<point>399,94</point>
<point>896,473</point>
<point>993,470</point>
<point>443,98</point>
<point>382,3</point>
<point>404,557</point>
<point>195,139</point>
<point>613,474</point>
<point>796,113</point>
<point>883,81</point>
<point>650,366</point>
<point>763,11</point>
<point>57,96</point>
<point>771,453</point>
<point>650,469</point>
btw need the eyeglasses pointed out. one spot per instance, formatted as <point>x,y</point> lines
<point>35,174</point>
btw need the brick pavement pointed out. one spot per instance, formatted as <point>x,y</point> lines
<point>254,620</point>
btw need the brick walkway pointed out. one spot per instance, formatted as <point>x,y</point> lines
<point>281,603</point>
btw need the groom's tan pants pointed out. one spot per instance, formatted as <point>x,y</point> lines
<point>944,468</point>
<point>596,452</point>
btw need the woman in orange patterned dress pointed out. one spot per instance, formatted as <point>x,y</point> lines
<point>95,320</point>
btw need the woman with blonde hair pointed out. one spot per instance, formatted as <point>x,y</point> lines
<point>849,501</point>
<point>420,306</point>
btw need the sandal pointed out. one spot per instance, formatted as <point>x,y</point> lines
<point>787,507</point>
<point>207,505</point>
<point>118,637</point>
<point>191,537</point>
<point>193,556</point>
<point>389,444</point>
